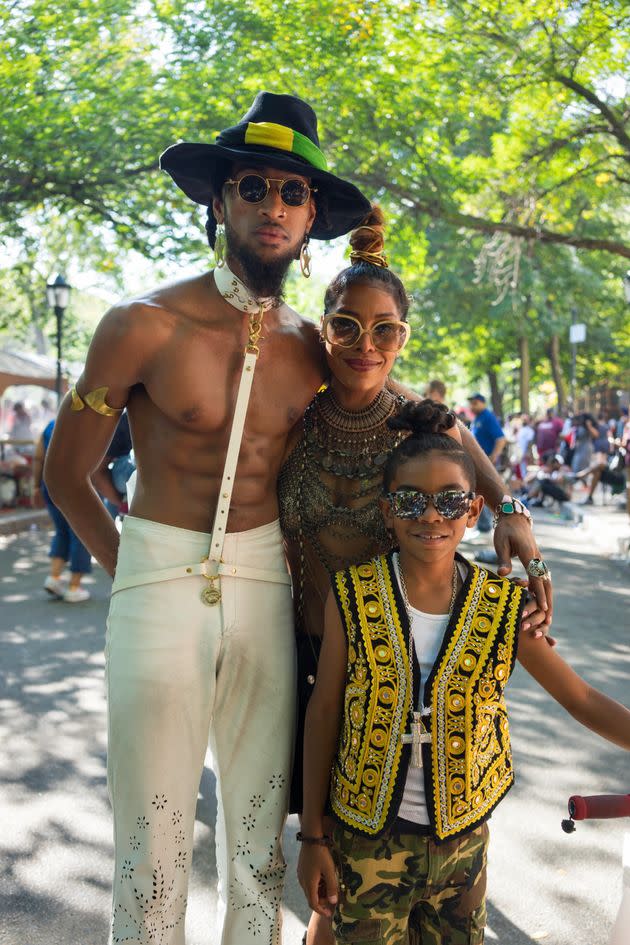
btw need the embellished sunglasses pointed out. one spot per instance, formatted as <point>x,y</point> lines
<point>253,188</point>
<point>347,331</point>
<point>410,503</point>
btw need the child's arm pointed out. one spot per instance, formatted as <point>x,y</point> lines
<point>589,706</point>
<point>316,868</point>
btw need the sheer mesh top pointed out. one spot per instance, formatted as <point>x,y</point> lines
<point>328,492</point>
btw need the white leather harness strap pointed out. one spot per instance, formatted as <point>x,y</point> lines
<point>206,569</point>
<point>231,457</point>
<point>213,567</point>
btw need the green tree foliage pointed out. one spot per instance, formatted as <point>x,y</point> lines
<point>505,123</point>
<point>495,133</point>
<point>86,98</point>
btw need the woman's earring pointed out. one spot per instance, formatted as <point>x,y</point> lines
<point>305,258</point>
<point>219,246</point>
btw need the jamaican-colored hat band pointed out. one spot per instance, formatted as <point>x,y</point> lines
<point>270,135</point>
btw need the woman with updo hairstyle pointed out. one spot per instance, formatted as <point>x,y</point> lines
<point>331,479</point>
<point>369,265</point>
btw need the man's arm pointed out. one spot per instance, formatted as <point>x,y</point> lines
<point>115,360</point>
<point>102,482</point>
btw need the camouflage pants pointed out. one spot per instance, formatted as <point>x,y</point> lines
<point>404,889</point>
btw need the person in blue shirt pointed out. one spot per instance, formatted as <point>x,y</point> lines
<point>487,430</point>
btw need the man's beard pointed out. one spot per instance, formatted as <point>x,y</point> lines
<point>262,278</point>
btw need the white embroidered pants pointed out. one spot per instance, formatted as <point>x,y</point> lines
<point>182,675</point>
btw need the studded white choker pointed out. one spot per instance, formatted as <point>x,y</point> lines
<point>237,294</point>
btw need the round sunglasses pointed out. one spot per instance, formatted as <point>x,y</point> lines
<point>347,331</point>
<point>253,188</point>
<point>411,503</point>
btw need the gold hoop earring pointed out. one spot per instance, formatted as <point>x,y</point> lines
<point>305,258</point>
<point>219,246</point>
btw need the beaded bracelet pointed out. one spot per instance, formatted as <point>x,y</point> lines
<point>324,841</point>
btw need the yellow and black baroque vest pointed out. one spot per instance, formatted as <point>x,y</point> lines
<point>468,765</point>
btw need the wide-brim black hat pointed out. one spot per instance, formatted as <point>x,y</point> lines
<point>277,131</point>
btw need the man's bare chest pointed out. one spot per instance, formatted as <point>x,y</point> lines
<point>195,383</point>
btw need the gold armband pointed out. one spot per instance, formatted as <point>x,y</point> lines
<point>95,400</point>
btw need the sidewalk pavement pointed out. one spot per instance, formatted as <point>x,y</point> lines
<point>14,521</point>
<point>604,530</point>
<point>56,849</point>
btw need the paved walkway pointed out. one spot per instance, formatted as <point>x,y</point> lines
<point>55,843</point>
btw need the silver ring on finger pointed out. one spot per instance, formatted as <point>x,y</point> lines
<point>538,569</point>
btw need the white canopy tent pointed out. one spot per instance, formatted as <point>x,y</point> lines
<point>18,368</point>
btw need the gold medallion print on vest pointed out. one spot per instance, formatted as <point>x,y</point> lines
<point>468,767</point>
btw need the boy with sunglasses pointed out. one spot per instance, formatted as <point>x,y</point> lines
<point>407,726</point>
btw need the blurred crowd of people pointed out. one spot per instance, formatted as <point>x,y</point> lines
<point>552,455</point>
<point>23,448</point>
<point>546,460</point>
<point>551,459</point>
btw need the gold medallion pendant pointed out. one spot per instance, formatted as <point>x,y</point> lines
<point>211,595</point>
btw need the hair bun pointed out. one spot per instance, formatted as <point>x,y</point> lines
<point>422,417</point>
<point>368,239</point>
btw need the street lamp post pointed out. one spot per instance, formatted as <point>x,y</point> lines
<point>58,295</point>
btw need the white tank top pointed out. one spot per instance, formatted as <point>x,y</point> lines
<point>428,632</point>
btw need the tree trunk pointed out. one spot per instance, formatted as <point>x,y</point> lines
<point>523,351</point>
<point>556,370</point>
<point>41,344</point>
<point>495,393</point>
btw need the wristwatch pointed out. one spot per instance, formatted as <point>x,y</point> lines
<point>509,505</point>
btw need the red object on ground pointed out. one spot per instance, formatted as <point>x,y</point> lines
<point>599,806</point>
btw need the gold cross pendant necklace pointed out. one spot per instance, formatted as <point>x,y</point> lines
<point>418,734</point>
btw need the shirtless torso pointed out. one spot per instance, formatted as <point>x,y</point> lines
<point>174,358</point>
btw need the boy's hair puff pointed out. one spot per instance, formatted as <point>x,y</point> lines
<point>427,423</point>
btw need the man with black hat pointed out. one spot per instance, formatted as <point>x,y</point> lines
<point>200,640</point>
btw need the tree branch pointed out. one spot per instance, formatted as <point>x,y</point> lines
<point>437,211</point>
<point>556,144</point>
<point>585,171</point>
<point>616,125</point>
